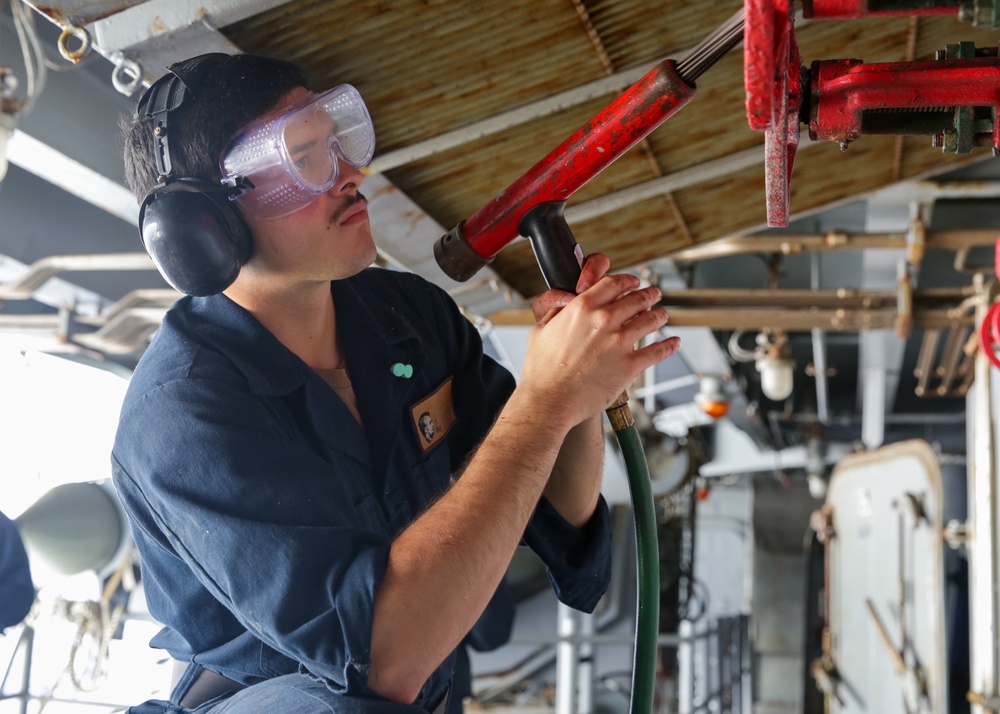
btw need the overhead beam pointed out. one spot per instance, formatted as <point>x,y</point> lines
<point>802,320</point>
<point>80,12</point>
<point>126,333</point>
<point>70,175</point>
<point>841,298</point>
<point>790,244</point>
<point>25,286</point>
<point>143,38</point>
<point>55,292</point>
<point>154,18</point>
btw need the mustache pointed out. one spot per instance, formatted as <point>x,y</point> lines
<point>348,205</point>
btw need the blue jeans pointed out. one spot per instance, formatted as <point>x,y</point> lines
<point>290,693</point>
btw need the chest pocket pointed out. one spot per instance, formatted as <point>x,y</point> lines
<point>420,471</point>
<point>433,416</point>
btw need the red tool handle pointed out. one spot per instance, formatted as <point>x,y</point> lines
<point>616,129</point>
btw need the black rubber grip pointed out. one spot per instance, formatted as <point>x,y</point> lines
<point>558,254</point>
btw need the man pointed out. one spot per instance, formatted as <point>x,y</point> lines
<point>304,537</point>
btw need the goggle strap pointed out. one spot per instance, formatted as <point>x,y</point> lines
<point>236,186</point>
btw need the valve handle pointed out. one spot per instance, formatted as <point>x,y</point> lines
<point>989,334</point>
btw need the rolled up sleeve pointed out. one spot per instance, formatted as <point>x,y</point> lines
<point>577,560</point>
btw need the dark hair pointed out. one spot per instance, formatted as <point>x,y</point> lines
<point>231,94</point>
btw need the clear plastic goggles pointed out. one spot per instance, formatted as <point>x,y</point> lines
<point>292,159</point>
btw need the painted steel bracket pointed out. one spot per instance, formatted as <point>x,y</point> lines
<point>954,98</point>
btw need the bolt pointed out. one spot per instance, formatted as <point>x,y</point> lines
<point>158,131</point>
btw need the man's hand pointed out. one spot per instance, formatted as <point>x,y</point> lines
<point>581,354</point>
<point>595,267</point>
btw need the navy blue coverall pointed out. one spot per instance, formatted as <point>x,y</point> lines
<point>264,512</point>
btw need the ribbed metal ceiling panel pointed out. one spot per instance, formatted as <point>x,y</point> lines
<point>429,66</point>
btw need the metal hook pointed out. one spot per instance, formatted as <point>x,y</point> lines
<point>63,43</point>
<point>126,76</point>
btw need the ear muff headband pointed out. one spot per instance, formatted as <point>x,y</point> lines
<point>195,236</point>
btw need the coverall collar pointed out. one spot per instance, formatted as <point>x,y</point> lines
<point>271,369</point>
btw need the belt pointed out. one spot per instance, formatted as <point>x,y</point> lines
<point>208,685</point>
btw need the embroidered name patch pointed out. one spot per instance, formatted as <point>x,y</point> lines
<point>434,416</point>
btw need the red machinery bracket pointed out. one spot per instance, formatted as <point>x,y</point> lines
<point>954,98</point>
<point>772,81</point>
<point>846,9</point>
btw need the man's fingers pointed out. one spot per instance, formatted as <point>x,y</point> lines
<point>595,267</point>
<point>645,323</point>
<point>610,288</point>
<point>548,301</point>
<point>657,352</point>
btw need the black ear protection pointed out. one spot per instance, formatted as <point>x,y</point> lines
<point>195,236</point>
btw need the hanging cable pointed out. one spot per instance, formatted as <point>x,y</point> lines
<point>35,68</point>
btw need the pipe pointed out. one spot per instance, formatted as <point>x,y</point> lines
<point>819,349</point>
<point>567,660</point>
<point>984,525</point>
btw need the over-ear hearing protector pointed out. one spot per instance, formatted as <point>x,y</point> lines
<point>195,236</point>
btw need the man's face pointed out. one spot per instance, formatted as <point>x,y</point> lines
<point>328,239</point>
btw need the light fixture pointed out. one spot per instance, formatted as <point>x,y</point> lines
<point>9,107</point>
<point>775,365</point>
<point>5,132</point>
<point>711,398</point>
<point>772,358</point>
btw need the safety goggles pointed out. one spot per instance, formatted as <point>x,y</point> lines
<point>292,159</point>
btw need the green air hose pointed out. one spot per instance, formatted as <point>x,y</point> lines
<point>560,259</point>
<point>647,622</point>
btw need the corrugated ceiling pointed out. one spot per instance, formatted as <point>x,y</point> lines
<point>430,66</point>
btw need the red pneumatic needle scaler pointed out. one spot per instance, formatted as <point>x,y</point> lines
<point>536,200</point>
<point>533,206</point>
